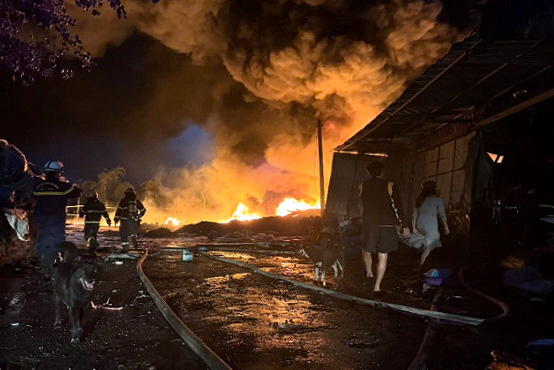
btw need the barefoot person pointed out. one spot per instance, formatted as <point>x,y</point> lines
<point>429,206</point>
<point>382,212</point>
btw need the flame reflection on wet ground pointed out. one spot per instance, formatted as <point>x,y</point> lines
<point>259,323</point>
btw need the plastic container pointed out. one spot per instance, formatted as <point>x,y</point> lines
<point>187,255</point>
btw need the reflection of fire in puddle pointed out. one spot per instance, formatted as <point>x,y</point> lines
<point>290,267</point>
<point>259,312</point>
<point>260,323</point>
<point>226,278</point>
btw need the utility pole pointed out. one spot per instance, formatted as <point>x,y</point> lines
<point>321,172</point>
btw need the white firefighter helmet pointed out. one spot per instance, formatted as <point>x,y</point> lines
<point>53,166</point>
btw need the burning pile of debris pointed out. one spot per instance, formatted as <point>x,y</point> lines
<point>296,224</point>
<point>265,228</point>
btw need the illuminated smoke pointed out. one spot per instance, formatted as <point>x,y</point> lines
<point>258,76</point>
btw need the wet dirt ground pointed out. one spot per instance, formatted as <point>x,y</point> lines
<point>255,323</point>
<point>135,337</point>
<point>251,321</point>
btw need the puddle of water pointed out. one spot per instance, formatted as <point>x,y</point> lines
<point>259,323</point>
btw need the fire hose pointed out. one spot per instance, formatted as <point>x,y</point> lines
<point>212,360</point>
<point>441,317</point>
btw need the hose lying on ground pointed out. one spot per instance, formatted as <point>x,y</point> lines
<point>420,360</point>
<point>437,315</point>
<point>212,360</point>
<point>503,306</point>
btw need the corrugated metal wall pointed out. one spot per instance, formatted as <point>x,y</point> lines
<point>446,164</point>
<point>347,173</point>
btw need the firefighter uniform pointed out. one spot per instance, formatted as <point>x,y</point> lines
<point>92,211</point>
<point>129,213</point>
<point>49,215</point>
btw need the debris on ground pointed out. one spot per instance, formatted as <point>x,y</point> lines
<point>503,361</point>
<point>162,232</point>
<point>119,333</point>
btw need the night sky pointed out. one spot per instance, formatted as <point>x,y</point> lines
<point>92,121</point>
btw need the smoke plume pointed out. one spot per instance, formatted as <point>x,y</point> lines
<point>256,75</point>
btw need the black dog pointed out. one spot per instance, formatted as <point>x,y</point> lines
<point>327,252</point>
<point>73,285</point>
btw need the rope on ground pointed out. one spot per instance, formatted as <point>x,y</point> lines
<point>212,360</point>
<point>503,306</point>
<point>442,316</point>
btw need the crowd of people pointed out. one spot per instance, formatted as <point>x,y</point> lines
<point>383,218</point>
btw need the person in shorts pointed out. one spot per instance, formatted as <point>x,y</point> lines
<point>382,214</point>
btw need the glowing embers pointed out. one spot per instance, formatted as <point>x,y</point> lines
<point>290,205</point>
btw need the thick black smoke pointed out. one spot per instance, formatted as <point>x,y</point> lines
<point>255,74</point>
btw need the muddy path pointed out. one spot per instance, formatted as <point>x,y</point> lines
<point>253,322</point>
<point>135,337</point>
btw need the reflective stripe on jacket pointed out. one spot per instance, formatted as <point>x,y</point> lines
<point>129,209</point>
<point>93,210</point>
<point>52,195</point>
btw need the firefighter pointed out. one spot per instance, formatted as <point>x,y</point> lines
<point>51,194</point>
<point>129,212</point>
<point>93,210</point>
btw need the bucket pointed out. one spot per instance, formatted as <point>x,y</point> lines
<point>187,255</point>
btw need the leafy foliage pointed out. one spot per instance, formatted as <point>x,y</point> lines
<point>35,37</point>
<point>110,186</point>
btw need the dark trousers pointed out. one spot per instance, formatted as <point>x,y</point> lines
<point>50,233</point>
<point>128,228</point>
<point>91,231</point>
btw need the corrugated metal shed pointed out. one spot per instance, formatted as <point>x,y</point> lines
<point>474,84</point>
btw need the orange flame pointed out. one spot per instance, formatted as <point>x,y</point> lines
<point>286,207</point>
<point>242,214</point>
<point>172,221</point>
<point>289,205</point>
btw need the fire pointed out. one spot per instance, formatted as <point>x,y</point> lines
<point>289,205</point>
<point>172,221</point>
<point>242,214</point>
<point>286,207</point>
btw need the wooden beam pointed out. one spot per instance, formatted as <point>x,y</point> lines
<point>516,108</point>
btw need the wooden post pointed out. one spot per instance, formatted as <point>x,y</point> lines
<point>321,172</point>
